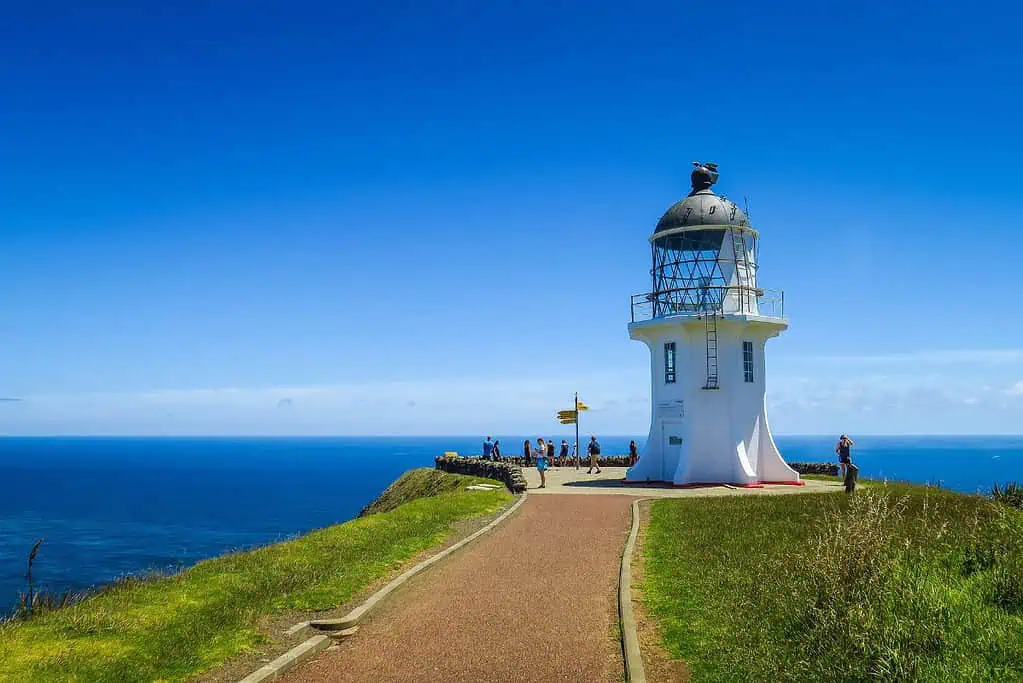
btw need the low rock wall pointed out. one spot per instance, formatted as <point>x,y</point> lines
<point>815,468</point>
<point>602,461</point>
<point>508,472</point>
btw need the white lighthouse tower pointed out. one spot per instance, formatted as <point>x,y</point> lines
<point>706,323</point>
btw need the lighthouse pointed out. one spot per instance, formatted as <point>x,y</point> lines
<point>706,322</point>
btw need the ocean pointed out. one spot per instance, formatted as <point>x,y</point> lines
<point>113,507</point>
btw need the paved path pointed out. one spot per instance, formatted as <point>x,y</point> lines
<point>534,600</point>
<point>565,480</point>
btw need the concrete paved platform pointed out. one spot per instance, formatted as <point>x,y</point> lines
<point>563,480</point>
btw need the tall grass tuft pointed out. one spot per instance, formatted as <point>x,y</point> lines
<point>867,614</point>
<point>1010,494</point>
<point>32,601</point>
<point>1007,584</point>
<point>882,586</point>
<point>897,583</point>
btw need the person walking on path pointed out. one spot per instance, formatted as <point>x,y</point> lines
<point>488,448</point>
<point>842,450</point>
<point>526,453</point>
<point>541,462</point>
<point>594,450</point>
<point>633,453</point>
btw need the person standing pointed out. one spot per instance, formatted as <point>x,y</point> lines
<point>488,448</point>
<point>526,453</point>
<point>550,453</point>
<point>842,448</point>
<point>575,453</point>
<point>563,453</point>
<point>594,450</point>
<point>497,451</point>
<point>541,462</point>
<point>633,453</point>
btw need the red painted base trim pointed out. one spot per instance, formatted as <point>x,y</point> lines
<point>708,484</point>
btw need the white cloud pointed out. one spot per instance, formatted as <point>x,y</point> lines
<point>893,404</point>
<point>835,398</point>
<point>441,406</point>
<point>923,358</point>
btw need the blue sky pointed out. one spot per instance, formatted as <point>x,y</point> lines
<point>427,218</point>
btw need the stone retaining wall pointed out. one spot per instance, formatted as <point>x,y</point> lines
<point>584,461</point>
<point>507,472</point>
<point>815,468</point>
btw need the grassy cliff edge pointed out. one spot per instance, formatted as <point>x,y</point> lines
<point>176,627</point>
<point>424,482</point>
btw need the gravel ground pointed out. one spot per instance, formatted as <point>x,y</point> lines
<point>500,609</point>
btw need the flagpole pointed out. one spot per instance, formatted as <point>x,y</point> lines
<point>577,430</point>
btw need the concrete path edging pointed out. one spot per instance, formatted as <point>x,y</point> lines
<point>297,655</point>
<point>316,644</point>
<point>634,672</point>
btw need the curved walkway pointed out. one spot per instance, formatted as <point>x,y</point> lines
<point>568,480</point>
<point>534,600</point>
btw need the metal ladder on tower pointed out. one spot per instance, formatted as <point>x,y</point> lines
<point>711,329</point>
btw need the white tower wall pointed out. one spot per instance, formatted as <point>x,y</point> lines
<point>707,426</point>
<point>702,436</point>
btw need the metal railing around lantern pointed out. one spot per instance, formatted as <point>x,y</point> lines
<point>699,301</point>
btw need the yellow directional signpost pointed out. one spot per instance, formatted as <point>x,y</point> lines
<point>571,417</point>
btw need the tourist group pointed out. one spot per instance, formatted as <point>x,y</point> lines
<point>545,454</point>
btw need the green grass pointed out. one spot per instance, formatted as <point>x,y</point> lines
<point>895,583</point>
<point>421,483</point>
<point>172,628</point>
<point>821,477</point>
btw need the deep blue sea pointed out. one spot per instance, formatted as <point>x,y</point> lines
<point>110,507</point>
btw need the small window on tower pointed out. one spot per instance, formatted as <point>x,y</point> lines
<point>747,361</point>
<point>669,363</point>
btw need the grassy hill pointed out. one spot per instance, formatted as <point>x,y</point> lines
<point>894,583</point>
<point>420,483</point>
<point>174,627</point>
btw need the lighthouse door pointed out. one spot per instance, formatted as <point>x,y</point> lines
<point>671,448</point>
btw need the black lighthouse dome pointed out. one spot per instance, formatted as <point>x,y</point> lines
<point>702,207</point>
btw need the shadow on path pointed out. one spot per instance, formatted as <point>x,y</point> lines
<point>597,483</point>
